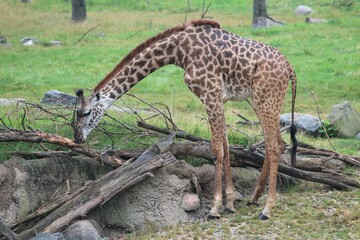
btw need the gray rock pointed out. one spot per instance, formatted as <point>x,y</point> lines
<point>5,102</point>
<point>358,136</point>
<point>54,97</point>
<point>3,40</point>
<point>84,230</point>
<point>315,20</point>
<point>190,202</point>
<point>345,119</point>
<point>29,41</point>
<point>25,185</point>
<point>262,22</point>
<point>100,35</point>
<point>46,236</point>
<point>303,10</point>
<point>304,122</point>
<point>54,43</point>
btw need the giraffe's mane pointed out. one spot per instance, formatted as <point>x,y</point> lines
<point>148,43</point>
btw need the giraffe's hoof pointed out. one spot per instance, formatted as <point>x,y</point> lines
<point>228,210</point>
<point>263,217</point>
<point>212,216</point>
<point>249,204</point>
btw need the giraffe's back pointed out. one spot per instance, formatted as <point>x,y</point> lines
<point>239,61</point>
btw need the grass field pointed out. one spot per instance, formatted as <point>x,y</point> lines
<point>325,56</point>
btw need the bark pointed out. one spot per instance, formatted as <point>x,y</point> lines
<point>100,191</point>
<point>259,9</point>
<point>78,10</point>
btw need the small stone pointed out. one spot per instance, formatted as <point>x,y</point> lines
<point>3,40</point>
<point>55,43</point>
<point>100,35</point>
<point>262,22</point>
<point>46,236</point>
<point>84,230</point>
<point>29,41</point>
<point>190,202</point>
<point>303,10</point>
<point>238,196</point>
<point>4,102</point>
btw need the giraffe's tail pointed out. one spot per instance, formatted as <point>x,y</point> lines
<point>293,128</point>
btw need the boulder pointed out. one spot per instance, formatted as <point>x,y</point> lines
<point>358,136</point>
<point>84,230</point>
<point>345,119</point>
<point>54,97</point>
<point>262,22</point>
<point>25,185</point>
<point>304,122</point>
<point>303,10</point>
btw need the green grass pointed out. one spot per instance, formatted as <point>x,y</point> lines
<point>302,212</point>
<point>326,58</point>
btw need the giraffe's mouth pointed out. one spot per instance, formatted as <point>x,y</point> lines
<point>79,137</point>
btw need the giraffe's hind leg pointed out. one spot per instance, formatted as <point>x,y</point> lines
<point>267,104</point>
<point>261,183</point>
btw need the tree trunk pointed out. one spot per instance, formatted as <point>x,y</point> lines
<point>78,10</point>
<point>259,9</point>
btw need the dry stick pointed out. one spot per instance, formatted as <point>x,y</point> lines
<point>41,137</point>
<point>323,152</point>
<point>157,110</point>
<point>180,134</point>
<point>88,32</point>
<point>318,112</point>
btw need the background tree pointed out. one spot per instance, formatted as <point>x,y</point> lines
<point>259,9</point>
<point>78,10</point>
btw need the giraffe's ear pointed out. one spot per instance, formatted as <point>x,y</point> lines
<point>79,93</point>
<point>97,95</point>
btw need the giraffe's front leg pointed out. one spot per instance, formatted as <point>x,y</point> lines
<point>215,110</point>
<point>217,149</point>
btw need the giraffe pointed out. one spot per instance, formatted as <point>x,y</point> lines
<point>219,67</point>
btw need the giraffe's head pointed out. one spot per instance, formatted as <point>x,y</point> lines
<point>88,115</point>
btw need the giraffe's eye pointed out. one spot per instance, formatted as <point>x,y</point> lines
<point>87,113</point>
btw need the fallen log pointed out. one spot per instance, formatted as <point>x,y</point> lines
<point>101,190</point>
<point>254,156</point>
<point>12,135</point>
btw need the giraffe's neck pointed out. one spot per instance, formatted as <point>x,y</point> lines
<point>159,54</point>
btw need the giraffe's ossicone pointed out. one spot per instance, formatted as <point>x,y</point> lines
<point>219,67</point>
